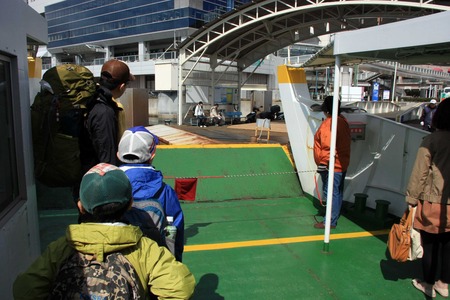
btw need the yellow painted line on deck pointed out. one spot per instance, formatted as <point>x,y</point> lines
<point>219,146</point>
<point>280,241</point>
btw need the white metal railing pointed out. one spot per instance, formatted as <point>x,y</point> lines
<point>410,114</point>
<point>127,59</point>
<point>417,70</point>
<point>378,107</point>
<point>294,60</point>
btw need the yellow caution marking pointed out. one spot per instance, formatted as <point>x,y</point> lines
<point>291,75</point>
<point>280,241</point>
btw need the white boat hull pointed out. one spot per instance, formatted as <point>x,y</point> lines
<point>380,164</point>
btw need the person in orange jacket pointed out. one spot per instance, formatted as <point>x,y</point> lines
<point>322,140</point>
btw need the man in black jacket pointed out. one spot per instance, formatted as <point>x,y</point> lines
<point>105,121</point>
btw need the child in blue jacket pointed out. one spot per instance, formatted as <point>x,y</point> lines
<point>137,149</point>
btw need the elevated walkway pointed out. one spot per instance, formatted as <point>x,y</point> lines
<point>170,135</point>
<point>231,134</point>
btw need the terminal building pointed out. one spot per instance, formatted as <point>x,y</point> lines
<point>146,34</point>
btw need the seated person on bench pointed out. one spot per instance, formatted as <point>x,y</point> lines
<point>216,116</point>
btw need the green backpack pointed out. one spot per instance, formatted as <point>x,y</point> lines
<point>57,118</point>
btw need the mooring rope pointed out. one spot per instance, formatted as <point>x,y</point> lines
<point>240,175</point>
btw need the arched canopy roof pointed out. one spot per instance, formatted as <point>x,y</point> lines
<point>252,31</point>
<point>418,41</point>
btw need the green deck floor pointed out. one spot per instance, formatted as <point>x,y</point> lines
<point>268,249</point>
<point>251,247</point>
<point>355,267</point>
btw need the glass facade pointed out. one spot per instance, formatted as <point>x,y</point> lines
<point>73,22</point>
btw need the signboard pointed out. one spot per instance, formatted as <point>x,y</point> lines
<point>376,88</point>
<point>224,95</point>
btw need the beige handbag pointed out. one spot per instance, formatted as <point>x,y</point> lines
<point>416,250</point>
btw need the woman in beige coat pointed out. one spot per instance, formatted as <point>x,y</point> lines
<point>429,190</point>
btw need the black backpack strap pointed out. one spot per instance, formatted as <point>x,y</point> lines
<point>52,116</point>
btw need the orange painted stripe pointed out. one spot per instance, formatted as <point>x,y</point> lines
<point>291,75</point>
<point>279,241</point>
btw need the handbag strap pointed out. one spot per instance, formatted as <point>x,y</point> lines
<point>407,218</point>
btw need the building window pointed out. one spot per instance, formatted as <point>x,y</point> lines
<point>9,177</point>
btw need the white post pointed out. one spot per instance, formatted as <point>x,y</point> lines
<point>337,68</point>
<point>394,82</point>
<point>181,58</point>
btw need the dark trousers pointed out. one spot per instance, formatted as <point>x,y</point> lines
<point>436,256</point>
<point>201,120</point>
<point>218,121</point>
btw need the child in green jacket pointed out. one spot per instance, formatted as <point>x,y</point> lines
<point>105,195</point>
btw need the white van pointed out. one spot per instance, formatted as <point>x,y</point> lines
<point>445,93</point>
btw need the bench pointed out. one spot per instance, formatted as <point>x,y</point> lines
<point>233,115</point>
<point>193,121</point>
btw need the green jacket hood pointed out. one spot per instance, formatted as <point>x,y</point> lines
<point>98,239</point>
